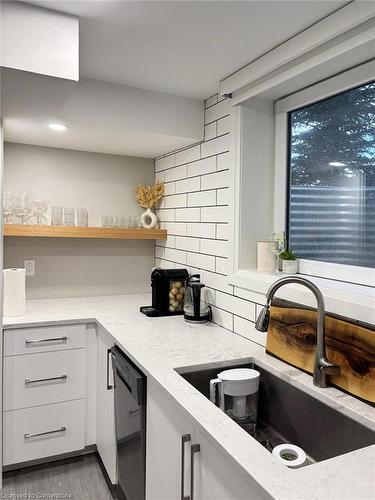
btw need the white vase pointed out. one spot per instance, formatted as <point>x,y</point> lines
<point>149,219</point>
<point>290,266</point>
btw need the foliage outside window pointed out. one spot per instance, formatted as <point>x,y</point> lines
<point>331,202</point>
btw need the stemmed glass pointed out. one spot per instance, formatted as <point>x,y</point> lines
<point>8,205</point>
<point>277,244</point>
<point>21,206</point>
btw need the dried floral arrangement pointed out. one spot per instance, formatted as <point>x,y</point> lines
<point>149,196</point>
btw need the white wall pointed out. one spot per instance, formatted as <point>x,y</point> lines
<point>104,184</point>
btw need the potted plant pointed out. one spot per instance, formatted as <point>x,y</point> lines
<point>289,262</point>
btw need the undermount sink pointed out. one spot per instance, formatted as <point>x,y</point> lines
<point>287,414</point>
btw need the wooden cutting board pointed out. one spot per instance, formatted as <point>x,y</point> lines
<point>292,338</point>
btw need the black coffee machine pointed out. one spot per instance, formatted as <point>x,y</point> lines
<point>168,292</point>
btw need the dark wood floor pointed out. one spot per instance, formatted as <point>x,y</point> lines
<point>76,479</point>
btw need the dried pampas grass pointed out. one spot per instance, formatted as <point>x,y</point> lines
<point>149,196</point>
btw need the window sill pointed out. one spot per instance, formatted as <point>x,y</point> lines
<point>346,299</point>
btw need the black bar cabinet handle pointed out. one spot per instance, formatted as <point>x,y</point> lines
<point>109,387</point>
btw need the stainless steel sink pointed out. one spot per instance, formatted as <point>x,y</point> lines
<point>287,414</point>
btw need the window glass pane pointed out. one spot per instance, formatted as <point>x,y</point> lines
<point>332,179</point>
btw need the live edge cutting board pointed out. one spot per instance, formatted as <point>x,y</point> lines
<point>292,338</point>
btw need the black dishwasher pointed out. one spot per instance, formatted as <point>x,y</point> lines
<point>130,416</point>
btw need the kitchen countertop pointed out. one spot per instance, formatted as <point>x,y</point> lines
<point>159,345</point>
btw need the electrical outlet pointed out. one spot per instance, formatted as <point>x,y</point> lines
<point>29,267</point>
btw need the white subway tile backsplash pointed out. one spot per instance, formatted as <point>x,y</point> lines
<point>222,231</point>
<point>166,215</point>
<point>210,101</point>
<point>159,252</point>
<point>214,214</point>
<point>163,163</point>
<point>175,201</point>
<point>187,155</point>
<point>215,247</point>
<point>237,306</point>
<point>195,213</point>
<point>217,281</point>
<point>159,176</point>
<point>189,244</point>
<point>249,295</point>
<point>175,173</point>
<point>202,198</point>
<point>169,188</point>
<point>188,214</point>
<point>223,161</point>
<point>201,261</point>
<point>199,230</point>
<point>222,196</point>
<point>188,185</point>
<point>210,131</point>
<point>216,180</point>
<point>175,228</point>
<point>221,265</point>
<point>202,167</point>
<point>247,329</point>
<point>215,146</point>
<point>169,242</point>
<point>164,264</point>
<point>222,318</point>
<point>223,125</point>
<point>217,111</point>
<point>178,256</point>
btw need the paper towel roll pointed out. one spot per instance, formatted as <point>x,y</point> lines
<point>14,292</point>
<point>265,259</point>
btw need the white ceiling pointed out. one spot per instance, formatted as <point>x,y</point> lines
<point>170,48</point>
<point>181,47</point>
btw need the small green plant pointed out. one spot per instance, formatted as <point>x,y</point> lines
<point>288,255</point>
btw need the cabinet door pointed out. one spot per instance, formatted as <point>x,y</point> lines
<point>216,478</point>
<point>105,412</point>
<point>169,436</point>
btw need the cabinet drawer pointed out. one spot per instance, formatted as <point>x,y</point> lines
<point>43,431</point>
<point>43,378</point>
<point>44,338</point>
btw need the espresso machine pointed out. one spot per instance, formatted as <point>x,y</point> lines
<point>168,292</point>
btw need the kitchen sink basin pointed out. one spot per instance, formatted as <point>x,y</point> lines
<point>287,414</point>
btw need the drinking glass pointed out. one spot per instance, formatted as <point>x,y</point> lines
<point>82,217</point>
<point>21,207</point>
<point>39,210</point>
<point>107,221</point>
<point>69,216</point>
<point>8,206</point>
<point>277,244</point>
<point>57,216</point>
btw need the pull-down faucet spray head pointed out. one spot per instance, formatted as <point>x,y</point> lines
<point>263,319</point>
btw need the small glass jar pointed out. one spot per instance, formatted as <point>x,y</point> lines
<point>69,216</point>
<point>57,216</point>
<point>82,217</point>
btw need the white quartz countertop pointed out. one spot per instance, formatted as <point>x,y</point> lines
<point>160,345</point>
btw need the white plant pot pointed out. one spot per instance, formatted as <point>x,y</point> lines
<point>290,266</point>
<point>149,219</point>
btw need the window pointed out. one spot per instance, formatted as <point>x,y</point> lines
<point>331,188</point>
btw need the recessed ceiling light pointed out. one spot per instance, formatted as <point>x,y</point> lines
<point>59,127</point>
<point>337,164</point>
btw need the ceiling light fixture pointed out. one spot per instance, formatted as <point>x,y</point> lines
<point>337,164</point>
<point>58,127</point>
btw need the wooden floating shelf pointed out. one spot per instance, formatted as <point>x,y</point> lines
<point>115,233</point>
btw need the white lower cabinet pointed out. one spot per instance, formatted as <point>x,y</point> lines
<point>212,476</point>
<point>169,437</point>
<point>43,431</point>
<point>105,410</point>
